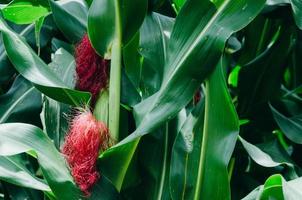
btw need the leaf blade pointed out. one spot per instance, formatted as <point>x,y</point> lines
<point>35,70</point>
<point>16,138</point>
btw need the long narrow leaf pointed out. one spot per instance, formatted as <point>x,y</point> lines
<point>16,138</point>
<point>29,65</point>
<point>19,102</point>
<point>221,128</point>
<point>15,172</point>
<point>195,46</point>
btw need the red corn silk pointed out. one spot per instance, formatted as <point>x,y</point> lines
<point>83,142</point>
<point>91,69</point>
<point>197,97</point>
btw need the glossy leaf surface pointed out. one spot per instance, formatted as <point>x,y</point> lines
<point>16,138</point>
<point>186,51</point>
<point>35,70</point>
<point>106,17</point>
<point>219,138</point>
<point>20,102</point>
<point>25,12</point>
<point>290,126</point>
<point>70,17</point>
<point>56,113</point>
<point>15,172</point>
<point>276,187</point>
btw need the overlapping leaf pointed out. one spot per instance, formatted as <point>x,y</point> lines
<point>194,50</point>
<point>16,138</point>
<point>275,187</point>
<point>205,144</point>
<point>264,159</point>
<point>26,11</point>
<point>33,68</point>
<point>256,83</point>
<point>70,17</point>
<point>15,172</point>
<point>55,113</point>
<point>185,154</point>
<point>20,102</point>
<point>112,20</point>
<point>290,126</point>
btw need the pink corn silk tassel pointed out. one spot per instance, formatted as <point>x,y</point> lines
<point>83,142</point>
<point>91,69</point>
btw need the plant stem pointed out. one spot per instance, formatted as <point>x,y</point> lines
<point>115,90</point>
<point>115,78</point>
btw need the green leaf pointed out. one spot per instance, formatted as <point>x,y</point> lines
<point>102,14</point>
<point>57,44</point>
<point>194,44</point>
<point>129,94</point>
<point>204,145</point>
<point>17,192</point>
<point>38,27</point>
<point>6,69</point>
<point>155,4</point>
<point>154,155</point>
<point>109,165</point>
<point>264,159</point>
<point>178,4</point>
<point>233,45</point>
<point>89,2</point>
<point>185,154</point>
<point>218,140</point>
<point>55,113</point>
<point>256,43</point>
<point>233,77</point>
<point>256,83</point>
<point>20,102</point>
<point>144,71</point>
<point>104,190</point>
<point>14,171</point>
<point>70,17</point>
<point>188,45</point>
<point>114,21</point>
<point>290,126</point>
<point>276,2</point>
<point>108,17</point>
<point>33,68</point>
<point>154,36</point>
<point>26,11</point>
<point>133,61</point>
<point>155,149</point>
<point>297,12</point>
<point>16,138</point>
<point>276,187</point>
<point>272,188</point>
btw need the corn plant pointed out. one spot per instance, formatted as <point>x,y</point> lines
<point>151,99</point>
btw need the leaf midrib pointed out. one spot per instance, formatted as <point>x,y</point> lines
<point>162,37</point>
<point>26,171</point>
<point>197,40</point>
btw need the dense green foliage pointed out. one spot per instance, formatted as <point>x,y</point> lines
<point>204,98</point>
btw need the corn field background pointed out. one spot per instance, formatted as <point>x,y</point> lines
<point>151,99</point>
